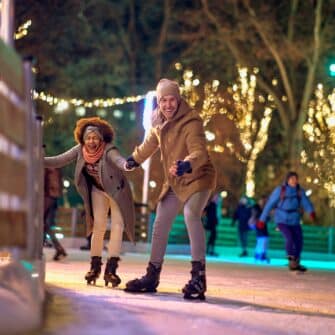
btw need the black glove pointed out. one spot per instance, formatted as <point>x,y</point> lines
<point>183,167</point>
<point>131,163</point>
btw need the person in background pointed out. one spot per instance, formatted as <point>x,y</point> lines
<point>288,200</point>
<point>211,222</point>
<point>87,246</point>
<point>189,180</point>
<point>262,234</point>
<point>103,187</point>
<point>52,191</point>
<point>241,216</point>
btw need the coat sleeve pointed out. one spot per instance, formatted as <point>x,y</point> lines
<point>63,159</point>
<point>196,143</point>
<point>147,148</point>
<point>270,204</point>
<point>115,156</point>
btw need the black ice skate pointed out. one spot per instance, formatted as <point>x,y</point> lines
<point>294,265</point>
<point>110,275</point>
<point>94,273</point>
<point>60,254</point>
<point>148,283</point>
<point>196,287</point>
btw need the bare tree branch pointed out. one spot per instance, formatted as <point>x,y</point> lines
<point>291,20</point>
<point>127,43</point>
<point>277,58</point>
<point>312,68</point>
<point>240,57</point>
<point>162,38</point>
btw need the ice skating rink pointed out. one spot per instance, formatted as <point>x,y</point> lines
<point>242,298</point>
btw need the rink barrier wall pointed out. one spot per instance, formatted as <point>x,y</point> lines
<point>22,267</point>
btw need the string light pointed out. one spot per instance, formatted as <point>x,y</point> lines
<point>96,103</point>
<point>22,31</point>
<point>239,106</point>
<point>319,152</point>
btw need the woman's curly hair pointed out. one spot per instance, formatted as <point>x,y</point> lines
<point>106,129</point>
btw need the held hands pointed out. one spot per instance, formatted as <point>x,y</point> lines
<point>180,167</point>
<point>131,164</point>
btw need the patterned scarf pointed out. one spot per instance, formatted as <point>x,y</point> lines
<point>92,158</point>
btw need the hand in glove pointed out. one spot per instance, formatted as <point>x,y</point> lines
<point>183,167</point>
<point>131,164</point>
<point>260,224</point>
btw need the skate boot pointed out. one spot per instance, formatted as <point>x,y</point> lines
<point>110,275</point>
<point>196,287</point>
<point>148,283</point>
<point>264,258</point>
<point>94,273</point>
<point>60,254</point>
<point>294,264</point>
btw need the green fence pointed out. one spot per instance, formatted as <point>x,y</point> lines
<point>316,238</point>
<point>70,222</point>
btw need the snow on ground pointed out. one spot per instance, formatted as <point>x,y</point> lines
<point>242,299</point>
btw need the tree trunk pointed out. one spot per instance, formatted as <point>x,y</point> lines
<point>162,40</point>
<point>295,145</point>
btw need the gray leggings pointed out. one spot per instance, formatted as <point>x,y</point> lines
<point>167,210</point>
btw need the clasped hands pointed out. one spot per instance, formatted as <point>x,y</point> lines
<point>130,164</point>
<point>177,169</point>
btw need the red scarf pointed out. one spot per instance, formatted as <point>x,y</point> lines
<point>92,158</point>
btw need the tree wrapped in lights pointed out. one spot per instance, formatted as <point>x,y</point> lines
<point>239,104</point>
<point>319,152</point>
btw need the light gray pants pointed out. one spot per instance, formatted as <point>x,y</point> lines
<point>101,203</point>
<point>167,211</point>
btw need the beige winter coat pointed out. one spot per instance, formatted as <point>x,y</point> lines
<point>181,138</point>
<point>112,179</point>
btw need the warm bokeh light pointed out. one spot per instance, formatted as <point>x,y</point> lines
<point>319,152</point>
<point>96,103</point>
<point>22,31</point>
<point>238,103</point>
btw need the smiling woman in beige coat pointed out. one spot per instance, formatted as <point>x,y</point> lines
<point>103,187</point>
<point>189,179</point>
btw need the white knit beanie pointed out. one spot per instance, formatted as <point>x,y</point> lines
<point>167,87</point>
<point>94,129</point>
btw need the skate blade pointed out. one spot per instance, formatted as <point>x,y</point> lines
<point>127,289</point>
<point>114,284</point>
<point>195,296</point>
<point>298,273</point>
<point>91,282</point>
